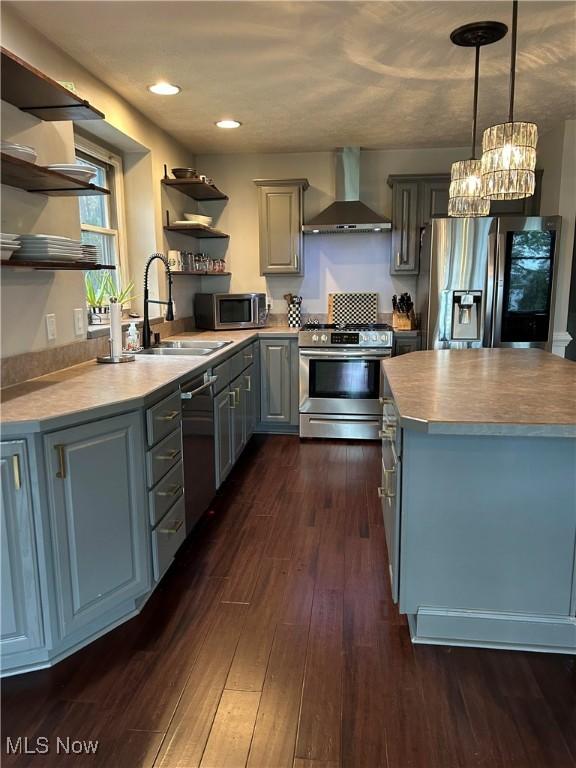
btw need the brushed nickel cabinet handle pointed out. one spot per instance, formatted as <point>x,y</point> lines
<point>248,383</point>
<point>175,528</point>
<point>384,400</point>
<point>382,493</point>
<point>61,473</point>
<point>237,394</point>
<point>174,492</point>
<point>232,395</point>
<point>16,472</point>
<point>168,416</point>
<point>167,456</point>
<point>388,433</point>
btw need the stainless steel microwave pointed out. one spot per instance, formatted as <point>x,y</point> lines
<point>229,311</point>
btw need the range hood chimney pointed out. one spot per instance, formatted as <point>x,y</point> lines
<point>347,214</point>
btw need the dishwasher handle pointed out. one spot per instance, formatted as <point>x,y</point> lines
<point>208,383</point>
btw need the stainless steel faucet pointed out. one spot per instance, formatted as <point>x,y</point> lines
<point>146,330</point>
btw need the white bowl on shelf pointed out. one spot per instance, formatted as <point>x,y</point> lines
<point>198,218</point>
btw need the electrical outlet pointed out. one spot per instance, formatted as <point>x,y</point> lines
<point>51,327</point>
<point>79,321</point>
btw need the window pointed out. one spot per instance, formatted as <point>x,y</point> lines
<point>102,216</point>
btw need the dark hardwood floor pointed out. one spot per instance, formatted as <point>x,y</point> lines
<point>273,642</point>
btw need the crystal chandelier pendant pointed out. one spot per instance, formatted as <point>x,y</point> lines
<point>509,149</point>
<point>466,190</point>
<point>466,199</point>
<point>509,160</point>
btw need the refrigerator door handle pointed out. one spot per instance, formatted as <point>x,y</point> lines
<point>490,298</point>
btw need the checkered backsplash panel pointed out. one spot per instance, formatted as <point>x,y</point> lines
<point>354,307</point>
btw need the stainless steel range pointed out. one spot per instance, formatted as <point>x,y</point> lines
<point>340,379</point>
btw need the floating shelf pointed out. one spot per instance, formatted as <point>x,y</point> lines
<point>201,274</point>
<point>35,178</point>
<point>198,190</point>
<point>52,266</point>
<point>196,231</point>
<point>34,92</point>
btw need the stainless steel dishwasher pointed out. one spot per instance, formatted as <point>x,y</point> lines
<point>198,446</point>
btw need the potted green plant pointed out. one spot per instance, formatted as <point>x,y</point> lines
<point>100,287</point>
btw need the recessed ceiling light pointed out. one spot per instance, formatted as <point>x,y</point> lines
<point>164,89</point>
<point>228,124</point>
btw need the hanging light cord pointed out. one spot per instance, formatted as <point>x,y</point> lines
<point>513,59</point>
<point>475,107</point>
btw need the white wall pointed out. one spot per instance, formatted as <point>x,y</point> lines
<point>26,297</point>
<point>332,262</point>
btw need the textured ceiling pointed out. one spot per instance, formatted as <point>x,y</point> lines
<point>305,76</point>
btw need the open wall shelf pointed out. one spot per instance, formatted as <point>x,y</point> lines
<point>34,92</point>
<point>35,178</point>
<point>201,274</point>
<point>198,190</point>
<point>196,231</point>
<point>52,266</point>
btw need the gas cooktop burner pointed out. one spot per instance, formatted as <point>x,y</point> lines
<point>311,326</point>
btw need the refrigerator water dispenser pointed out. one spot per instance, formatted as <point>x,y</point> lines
<point>466,315</point>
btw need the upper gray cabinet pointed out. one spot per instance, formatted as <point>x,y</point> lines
<point>96,483</point>
<point>22,626</point>
<point>418,199</point>
<point>405,228</point>
<point>280,213</point>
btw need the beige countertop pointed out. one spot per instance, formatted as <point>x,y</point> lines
<point>485,391</point>
<point>47,402</point>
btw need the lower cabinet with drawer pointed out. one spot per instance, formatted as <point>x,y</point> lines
<point>167,537</point>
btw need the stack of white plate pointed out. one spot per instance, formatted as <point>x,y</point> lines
<point>79,172</point>
<point>198,218</point>
<point>8,244</point>
<point>48,248</point>
<point>90,253</point>
<point>20,151</point>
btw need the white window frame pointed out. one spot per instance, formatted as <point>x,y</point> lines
<point>117,209</point>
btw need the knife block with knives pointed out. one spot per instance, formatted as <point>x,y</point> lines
<point>403,317</point>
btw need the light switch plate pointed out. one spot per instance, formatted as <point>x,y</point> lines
<point>51,327</point>
<point>79,315</point>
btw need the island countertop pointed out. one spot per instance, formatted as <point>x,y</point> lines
<point>485,392</point>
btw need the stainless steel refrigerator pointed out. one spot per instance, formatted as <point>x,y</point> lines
<point>488,282</point>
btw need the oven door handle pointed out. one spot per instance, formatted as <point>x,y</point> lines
<point>366,355</point>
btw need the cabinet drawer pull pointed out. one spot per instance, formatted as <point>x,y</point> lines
<point>248,356</point>
<point>248,383</point>
<point>61,473</point>
<point>169,416</point>
<point>232,395</point>
<point>175,528</point>
<point>384,400</point>
<point>174,492</point>
<point>382,493</point>
<point>16,472</point>
<point>237,394</point>
<point>388,433</point>
<point>167,456</point>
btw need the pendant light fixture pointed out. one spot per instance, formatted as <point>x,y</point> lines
<point>466,198</point>
<point>509,149</point>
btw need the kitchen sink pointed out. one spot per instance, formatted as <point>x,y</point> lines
<point>171,351</point>
<point>189,344</point>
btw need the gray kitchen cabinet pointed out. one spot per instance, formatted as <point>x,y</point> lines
<point>405,342</point>
<point>275,381</point>
<point>405,254</point>
<point>433,193</point>
<point>100,531</point>
<point>21,629</point>
<point>223,434</point>
<point>280,215</point>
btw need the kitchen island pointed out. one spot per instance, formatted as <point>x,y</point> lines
<point>479,496</point>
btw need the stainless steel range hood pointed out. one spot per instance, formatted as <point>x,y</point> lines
<point>348,214</point>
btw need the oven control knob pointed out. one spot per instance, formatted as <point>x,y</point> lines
<point>323,337</point>
<point>314,337</point>
<point>383,337</point>
<point>374,337</point>
<point>362,337</point>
